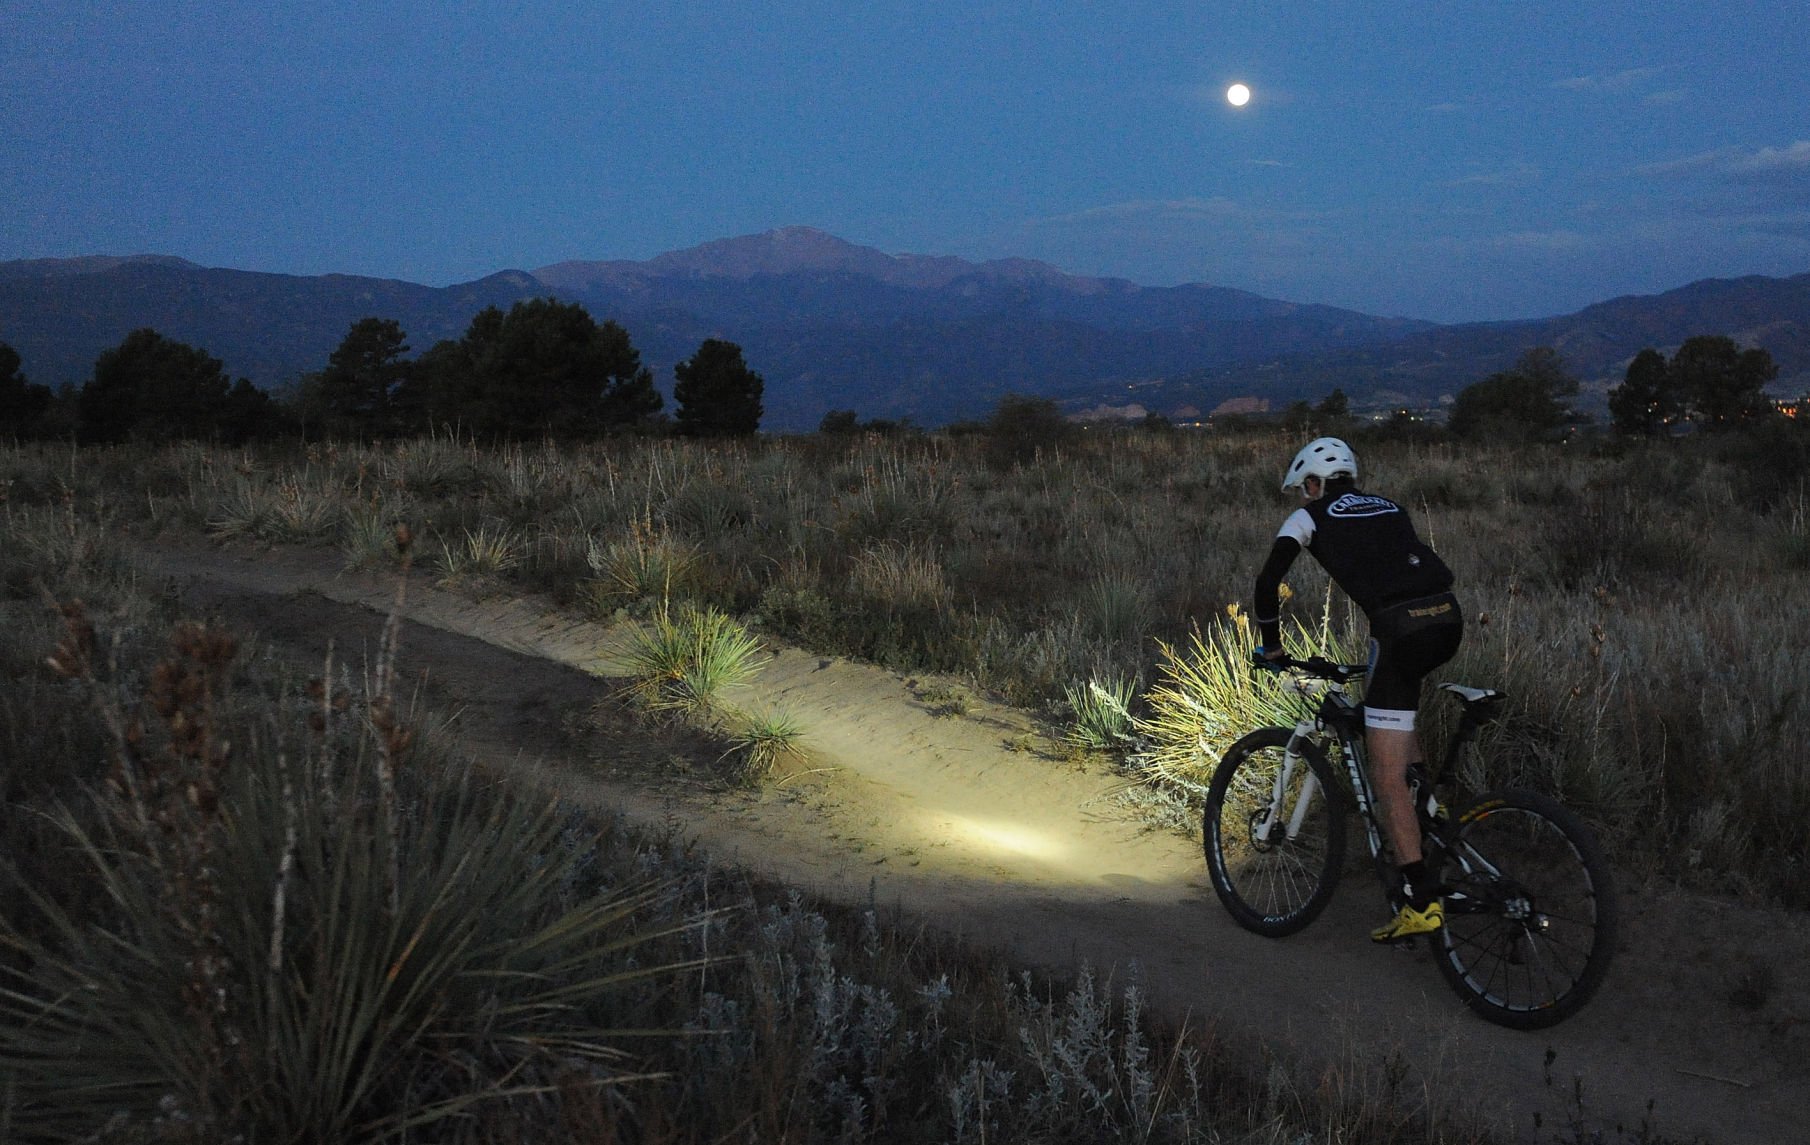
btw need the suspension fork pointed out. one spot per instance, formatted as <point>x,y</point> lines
<point>1310,786</point>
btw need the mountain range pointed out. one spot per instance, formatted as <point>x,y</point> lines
<point>834,325</point>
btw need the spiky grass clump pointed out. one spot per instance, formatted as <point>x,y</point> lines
<point>648,564</point>
<point>294,938</point>
<point>759,740</point>
<point>681,664</point>
<point>1102,719</point>
<point>481,556</point>
<point>292,510</point>
<point>373,538</point>
<point>1117,607</point>
<point>900,578</point>
<point>1208,696</point>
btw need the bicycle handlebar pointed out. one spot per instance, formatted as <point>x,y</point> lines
<point>1313,666</point>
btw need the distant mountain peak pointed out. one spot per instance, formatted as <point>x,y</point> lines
<point>788,250</point>
<point>804,250</point>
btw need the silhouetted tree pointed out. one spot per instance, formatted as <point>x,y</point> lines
<point>1021,425</point>
<point>22,404</point>
<point>1721,383</point>
<point>250,414</point>
<point>717,395</point>
<point>545,367</point>
<point>1647,401</point>
<point>355,394</point>
<point>839,421</point>
<point>442,387</point>
<point>1524,402</point>
<point>153,388</point>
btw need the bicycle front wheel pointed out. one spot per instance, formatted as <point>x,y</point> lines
<point>1530,912</point>
<point>1274,833</point>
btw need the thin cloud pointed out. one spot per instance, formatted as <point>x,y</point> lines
<point>1783,224</point>
<point>1689,165</point>
<point>1214,208</point>
<point>1515,175</point>
<point>1621,81</point>
<point>1737,163</point>
<point>1762,190</point>
<point>1773,160</point>
<point>1553,240</point>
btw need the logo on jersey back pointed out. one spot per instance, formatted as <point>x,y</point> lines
<point>1359,505</point>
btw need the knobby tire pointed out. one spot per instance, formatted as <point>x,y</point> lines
<point>1278,886</point>
<point>1529,949</point>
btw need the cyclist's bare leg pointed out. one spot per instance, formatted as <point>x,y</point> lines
<point>1391,750</point>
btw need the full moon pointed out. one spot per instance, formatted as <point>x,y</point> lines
<point>1238,95</point>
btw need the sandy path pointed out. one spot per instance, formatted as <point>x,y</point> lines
<point>950,817</point>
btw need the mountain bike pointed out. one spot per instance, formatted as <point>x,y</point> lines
<point>1530,911</point>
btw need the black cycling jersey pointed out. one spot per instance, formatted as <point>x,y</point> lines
<point>1366,543</point>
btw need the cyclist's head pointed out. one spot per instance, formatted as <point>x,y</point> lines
<point>1325,458</point>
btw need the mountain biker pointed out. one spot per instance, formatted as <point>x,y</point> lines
<point>1369,548</point>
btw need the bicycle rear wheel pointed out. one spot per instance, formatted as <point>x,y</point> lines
<point>1530,912</point>
<point>1273,833</point>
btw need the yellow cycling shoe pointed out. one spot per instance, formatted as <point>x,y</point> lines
<point>1410,922</point>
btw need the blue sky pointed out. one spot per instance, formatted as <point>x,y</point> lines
<point>1453,161</point>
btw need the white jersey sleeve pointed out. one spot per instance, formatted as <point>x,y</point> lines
<point>1299,528</point>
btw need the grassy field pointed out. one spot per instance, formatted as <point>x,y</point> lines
<point>1641,605</point>
<point>328,954</point>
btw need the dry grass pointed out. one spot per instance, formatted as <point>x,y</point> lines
<point>1636,602</point>
<point>239,904</point>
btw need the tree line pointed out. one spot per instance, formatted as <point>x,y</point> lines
<point>541,369</point>
<point>548,369</point>
<point>1709,383</point>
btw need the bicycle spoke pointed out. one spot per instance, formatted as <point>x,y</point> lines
<point>1530,942</point>
<point>1271,883</point>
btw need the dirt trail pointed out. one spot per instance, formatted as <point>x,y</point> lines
<point>949,816</point>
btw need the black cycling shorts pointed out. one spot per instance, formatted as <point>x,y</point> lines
<point>1407,641</point>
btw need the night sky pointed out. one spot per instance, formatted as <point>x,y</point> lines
<point>1449,161</point>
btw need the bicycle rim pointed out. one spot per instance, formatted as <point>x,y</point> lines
<point>1272,881</point>
<point>1530,929</point>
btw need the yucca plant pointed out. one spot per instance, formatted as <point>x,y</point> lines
<point>647,564</point>
<point>1209,695</point>
<point>292,510</point>
<point>681,664</point>
<point>369,539</point>
<point>1117,605</point>
<point>758,740</point>
<point>483,555</point>
<point>1102,714</point>
<point>244,514</point>
<point>273,964</point>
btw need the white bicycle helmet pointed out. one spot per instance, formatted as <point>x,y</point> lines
<point>1322,457</point>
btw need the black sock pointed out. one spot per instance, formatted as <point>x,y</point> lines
<point>1417,883</point>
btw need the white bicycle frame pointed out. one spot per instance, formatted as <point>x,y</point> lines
<point>1291,758</point>
<point>1316,689</point>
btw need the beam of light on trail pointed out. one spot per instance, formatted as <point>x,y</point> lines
<point>998,836</point>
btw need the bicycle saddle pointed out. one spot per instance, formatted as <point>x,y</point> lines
<point>1473,695</point>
